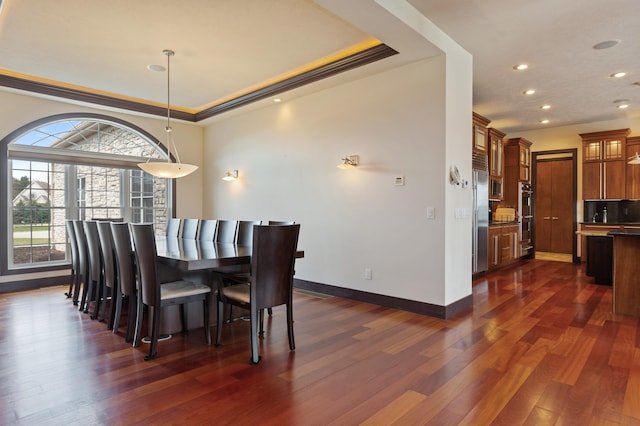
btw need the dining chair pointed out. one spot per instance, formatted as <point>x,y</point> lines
<point>244,233</point>
<point>190,228</point>
<point>157,295</point>
<point>226,232</point>
<point>83,258</point>
<point>281,222</point>
<point>270,283</point>
<point>126,276</point>
<point>173,227</point>
<point>207,229</point>
<point>95,281</point>
<point>74,279</point>
<point>110,286</point>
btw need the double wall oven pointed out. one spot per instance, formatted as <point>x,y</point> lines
<point>525,209</point>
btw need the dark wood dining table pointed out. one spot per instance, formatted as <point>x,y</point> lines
<point>196,255</point>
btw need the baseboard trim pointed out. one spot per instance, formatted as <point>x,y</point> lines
<point>422,308</point>
<point>33,284</point>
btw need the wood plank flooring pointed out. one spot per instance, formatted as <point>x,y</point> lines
<point>540,347</point>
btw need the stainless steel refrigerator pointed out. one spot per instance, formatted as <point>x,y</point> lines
<point>480,220</point>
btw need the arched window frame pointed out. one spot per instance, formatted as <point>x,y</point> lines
<point>71,158</point>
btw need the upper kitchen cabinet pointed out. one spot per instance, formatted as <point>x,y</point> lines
<point>480,124</point>
<point>603,164</point>
<point>517,168</point>
<point>633,170</point>
<point>496,163</point>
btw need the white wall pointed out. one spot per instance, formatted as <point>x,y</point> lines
<point>351,220</point>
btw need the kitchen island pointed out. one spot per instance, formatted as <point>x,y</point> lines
<point>626,271</point>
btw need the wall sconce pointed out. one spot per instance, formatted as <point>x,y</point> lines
<point>349,162</point>
<point>229,176</point>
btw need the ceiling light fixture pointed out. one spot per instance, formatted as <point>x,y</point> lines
<point>520,67</point>
<point>618,74</point>
<point>544,121</point>
<point>606,44</point>
<point>277,100</point>
<point>545,106</point>
<point>529,92</point>
<point>168,169</point>
<point>622,103</point>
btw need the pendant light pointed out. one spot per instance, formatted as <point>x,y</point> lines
<point>168,169</point>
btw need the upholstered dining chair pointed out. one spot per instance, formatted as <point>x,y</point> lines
<point>244,233</point>
<point>157,295</point>
<point>226,232</point>
<point>74,282</point>
<point>280,222</point>
<point>207,229</point>
<point>126,276</point>
<point>95,281</point>
<point>110,285</point>
<point>83,257</point>
<point>190,228</point>
<point>173,227</point>
<point>270,283</point>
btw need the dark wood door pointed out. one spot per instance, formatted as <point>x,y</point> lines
<point>554,209</point>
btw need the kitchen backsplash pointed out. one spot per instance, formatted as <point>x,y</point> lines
<point>623,211</point>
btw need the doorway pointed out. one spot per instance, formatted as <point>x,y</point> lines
<point>555,202</point>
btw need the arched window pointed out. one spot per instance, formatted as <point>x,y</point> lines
<point>76,166</point>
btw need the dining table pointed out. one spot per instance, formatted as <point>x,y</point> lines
<point>199,260</point>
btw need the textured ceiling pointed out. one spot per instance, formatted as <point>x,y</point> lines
<point>227,48</point>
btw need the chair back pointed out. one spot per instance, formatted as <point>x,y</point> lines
<point>208,229</point>
<point>281,222</point>
<point>226,232</point>
<point>107,254</point>
<point>83,255</point>
<point>124,257</point>
<point>272,264</point>
<point>190,228</point>
<point>73,245</point>
<point>244,234</point>
<point>145,249</point>
<point>173,227</point>
<point>93,248</point>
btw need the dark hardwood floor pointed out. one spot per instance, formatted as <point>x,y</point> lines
<point>541,346</point>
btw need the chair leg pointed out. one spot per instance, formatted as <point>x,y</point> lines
<point>219,322</point>
<point>138,332</point>
<point>89,295</point>
<point>98,304</point>
<point>131,318</point>
<point>207,326</point>
<point>116,311</point>
<point>270,311</point>
<point>292,343</point>
<point>184,310</point>
<point>76,288</point>
<point>155,327</point>
<point>261,329</point>
<point>230,314</point>
<point>72,279</point>
<point>255,356</point>
<point>83,298</point>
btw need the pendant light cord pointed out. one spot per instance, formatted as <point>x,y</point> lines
<point>168,129</point>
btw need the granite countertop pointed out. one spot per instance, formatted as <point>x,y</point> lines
<point>594,233</point>
<point>611,223</point>
<point>501,223</point>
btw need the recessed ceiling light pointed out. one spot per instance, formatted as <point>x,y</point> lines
<point>277,100</point>
<point>529,92</point>
<point>622,106</point>
<point>622,103</point>
<point>606,44</point>
<point>545,106</point>
<point>545,121</point>
<point>158,68</point>
<point>520,67</point>
<point>618,74</point>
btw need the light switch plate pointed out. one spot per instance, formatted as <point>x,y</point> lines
<point>431,213</point>
<point>399,180</point>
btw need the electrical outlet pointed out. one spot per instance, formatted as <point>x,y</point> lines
<point>367,274</point>
<point>431,213</point>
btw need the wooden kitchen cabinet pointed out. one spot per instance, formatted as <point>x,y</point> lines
<point>632,179</point>
<point>496,163</point>
<point>604,165</point>
<point>504,245</point>
<point>517,168</point>
<point>480,135</point>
